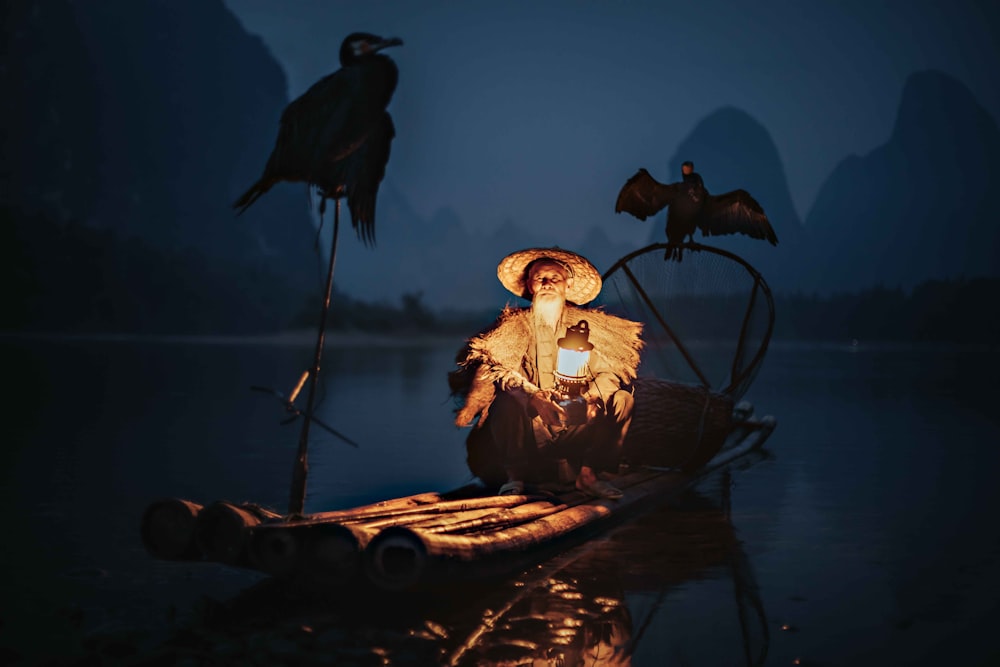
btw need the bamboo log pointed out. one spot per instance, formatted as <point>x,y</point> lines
<point>168,529</point>
<point>384,506</point>
<point>331,554</point>
<point>322,545</point>
<point>275,551</point>
<point>285,549</point>
<point>459,520</point>
<point>222,531</point>
<point>426,518</point>
<point>400,557</point>
<point>496,519</point>
<point>370,513</point>
<point>274,547</point>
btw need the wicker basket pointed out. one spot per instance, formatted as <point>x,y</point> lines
<point>676,425</point>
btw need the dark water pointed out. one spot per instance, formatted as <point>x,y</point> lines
<point>867,534</point>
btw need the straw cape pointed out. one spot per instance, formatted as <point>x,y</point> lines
<point>493,359</point>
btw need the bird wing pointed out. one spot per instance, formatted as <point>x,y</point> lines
<point>642,195</point>
<point>325,123</point>
<point>735,212</point>
<point>365,169</point>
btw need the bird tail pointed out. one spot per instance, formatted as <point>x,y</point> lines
<point>250,196</point>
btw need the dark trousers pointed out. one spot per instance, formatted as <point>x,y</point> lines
<point>506,441</point>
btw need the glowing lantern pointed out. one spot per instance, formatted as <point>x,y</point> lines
<point>573,359</point>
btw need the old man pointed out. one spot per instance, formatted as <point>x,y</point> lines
<point>507,378</point>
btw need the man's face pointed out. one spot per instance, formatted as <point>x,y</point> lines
<point>686,169</point>
<point>548,280</point>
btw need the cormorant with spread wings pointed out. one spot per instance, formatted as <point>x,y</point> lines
<point>692,207</point>
<point>337,134</point>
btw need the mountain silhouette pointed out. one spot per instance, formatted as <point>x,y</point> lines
<point>49,146</point>
<point>601,250</point>
<point>731,150</point>
<point>453,265</point>
<point>919,207</point>
<point>141,121</point>
<point>436,256</point>
<point>190,107</point>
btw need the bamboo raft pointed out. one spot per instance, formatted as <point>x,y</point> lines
<point>428,538</point>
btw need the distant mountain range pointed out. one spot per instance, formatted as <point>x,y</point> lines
<point>149,133</point>
<point>914,209</point>
<point>143,120</point>
<point>452,266</point>
<point>917,208</point>
<point>731,150</point>
<point>921,206</point>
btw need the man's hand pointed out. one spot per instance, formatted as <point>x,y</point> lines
<point>551,412</point>
<point>595,406</point>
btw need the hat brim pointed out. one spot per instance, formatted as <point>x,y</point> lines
<point>586,279</point>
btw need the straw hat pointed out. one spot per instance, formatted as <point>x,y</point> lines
<point>586,280</point>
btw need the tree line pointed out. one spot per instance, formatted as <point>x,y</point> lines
<point>958,310</point>
<point>68,277</point>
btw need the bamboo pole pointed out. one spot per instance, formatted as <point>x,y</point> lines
<point>381,507</point>
<point>494,520</point>
<point>424,519</point>
<point>300,470</point>
<point>451,522</point>
<point>396,509</point>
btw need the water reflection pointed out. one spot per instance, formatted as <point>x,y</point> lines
<point>594,605</point>
<point>871,532</point>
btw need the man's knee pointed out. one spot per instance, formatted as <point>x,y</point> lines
<point>620,405</point>
<point>509,424</point>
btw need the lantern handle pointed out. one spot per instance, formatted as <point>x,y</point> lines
<point>577,338</point>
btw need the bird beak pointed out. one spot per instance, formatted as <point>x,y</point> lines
<point>386,43</point>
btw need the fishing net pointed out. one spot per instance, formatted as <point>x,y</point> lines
<point>708,320</point>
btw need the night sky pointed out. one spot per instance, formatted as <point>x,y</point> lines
<point>537,112</point>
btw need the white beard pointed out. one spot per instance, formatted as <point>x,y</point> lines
<point>547,309</point>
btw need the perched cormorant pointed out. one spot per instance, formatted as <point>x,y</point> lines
<point>336,135</point>
<point>692,207</point>
<point>689,175</point>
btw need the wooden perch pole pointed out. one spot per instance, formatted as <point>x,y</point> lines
<point>297,497</point>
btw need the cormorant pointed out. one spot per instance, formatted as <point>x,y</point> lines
<point>692,207</point>
<point>336,135</point>
<point>689,175</point>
